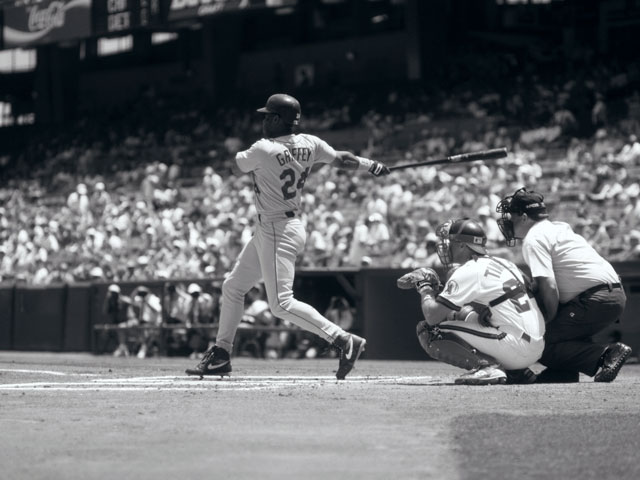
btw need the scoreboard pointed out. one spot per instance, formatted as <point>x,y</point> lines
<point>111,16</point>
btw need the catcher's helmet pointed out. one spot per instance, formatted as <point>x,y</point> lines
<point>463,230</point>
<point>287,107</point>
<point>470,232</point>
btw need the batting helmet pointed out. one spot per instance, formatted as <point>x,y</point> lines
<point>287,107</point>
<point>463,230</point>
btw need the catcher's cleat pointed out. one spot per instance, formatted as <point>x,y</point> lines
<point>613,359</point>
<point>216,361</point>
<point>524,376</point>
<point>418,278</point>
<point>490,375</point>
<point>351,347</point>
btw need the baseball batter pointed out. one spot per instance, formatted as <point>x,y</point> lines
<point>484,319</point>
<point>279,165</point>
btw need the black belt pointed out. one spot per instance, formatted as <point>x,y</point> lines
<point>597,288</point>
<point>288,214</point>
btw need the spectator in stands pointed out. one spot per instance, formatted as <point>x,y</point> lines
<point>100,199</point>
<point>139,159</point>
<point>311,346</point>
<point>490,226</point>
<point>79,204</point>
<point>359,242</point>
<point>432,260</point>
<point>340,312</point>
<point>5,264</point>
<point>258,314</point>
<point>145,310</point>
<point>378,241</point>
<point>116,307</point>
<point>200,315</point>
<point>175,313</point>
<point>632,252</point>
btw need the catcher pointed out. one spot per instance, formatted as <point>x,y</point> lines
<point>484,319</point>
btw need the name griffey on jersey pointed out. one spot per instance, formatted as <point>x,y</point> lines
<point>301,154</point>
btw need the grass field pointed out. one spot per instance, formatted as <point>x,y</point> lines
<point>79,416</point>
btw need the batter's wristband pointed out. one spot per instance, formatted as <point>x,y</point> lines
<point>364,163</point>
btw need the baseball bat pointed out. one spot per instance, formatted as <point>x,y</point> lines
<point>493,154</point>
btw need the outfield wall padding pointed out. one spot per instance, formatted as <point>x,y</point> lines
<point>77,318</point>
<point>61,318</point>
<point>39,318</point>
<point>6,317</point>
<point>389,316</point>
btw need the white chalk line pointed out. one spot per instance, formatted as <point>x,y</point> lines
<point>46,372</point>
<point>235,383</point>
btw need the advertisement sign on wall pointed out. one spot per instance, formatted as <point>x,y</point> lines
<point>184,9</point>
<point>46,22</point>
<point>111,16</point>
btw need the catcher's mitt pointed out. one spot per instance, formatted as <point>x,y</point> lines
<point>420,279</point>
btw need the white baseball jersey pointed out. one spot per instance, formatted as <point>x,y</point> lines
<point>485,279</point>
<point>280,167</point>
<point>554,250</point>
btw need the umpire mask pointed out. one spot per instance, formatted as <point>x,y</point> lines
<point>521,202</point>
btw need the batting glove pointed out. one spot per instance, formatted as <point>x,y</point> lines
<point>379,169</point>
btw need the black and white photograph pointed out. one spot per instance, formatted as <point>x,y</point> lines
<point>312,239</point>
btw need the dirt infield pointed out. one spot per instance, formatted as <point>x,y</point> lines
<point>78,416</point>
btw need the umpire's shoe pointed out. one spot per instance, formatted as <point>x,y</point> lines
<point>351,347</point>
<point>216,361</point>
<point>612,361</point>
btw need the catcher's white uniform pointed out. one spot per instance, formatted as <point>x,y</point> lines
<point>279,167</point>
<point>516,337</point>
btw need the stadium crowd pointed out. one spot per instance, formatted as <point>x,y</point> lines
<point>134,197</point>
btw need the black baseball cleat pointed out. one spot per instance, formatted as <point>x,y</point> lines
<point>613,359</point>
<point>351,347</point>
<point>216,361</point>
<point>523,376</point>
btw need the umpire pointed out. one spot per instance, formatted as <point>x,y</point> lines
<point>580,291</point>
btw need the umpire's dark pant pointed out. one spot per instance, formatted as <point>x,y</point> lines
<point>568,340</point>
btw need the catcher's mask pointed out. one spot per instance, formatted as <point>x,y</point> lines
<point>521,202</point>
<point>465,231</point>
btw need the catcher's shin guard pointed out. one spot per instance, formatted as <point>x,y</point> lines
<point>450,348</point>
